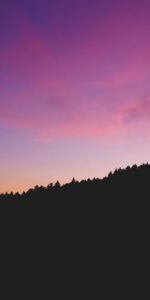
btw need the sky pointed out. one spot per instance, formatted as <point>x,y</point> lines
<point>74,89</point>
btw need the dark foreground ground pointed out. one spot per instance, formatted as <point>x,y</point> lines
<point>93,232</point>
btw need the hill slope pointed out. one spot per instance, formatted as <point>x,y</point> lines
<point>95,230</point>
<point>126,183</point>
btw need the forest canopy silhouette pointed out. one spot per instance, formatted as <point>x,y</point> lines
<point>82,223</point>
<point>130,182</point>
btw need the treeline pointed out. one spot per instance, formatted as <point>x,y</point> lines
<point>130,182</point>
<point>81,225</point>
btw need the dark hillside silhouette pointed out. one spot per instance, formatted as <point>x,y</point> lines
<point>93,231</point>
<point>119,198</point>
<point>129,183</point>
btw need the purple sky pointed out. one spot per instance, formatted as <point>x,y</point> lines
<point>74,89</point>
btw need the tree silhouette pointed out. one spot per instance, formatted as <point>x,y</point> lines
<point>127,183</point>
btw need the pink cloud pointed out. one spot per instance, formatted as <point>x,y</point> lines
<point>137,111</point>
<point>56,100</point>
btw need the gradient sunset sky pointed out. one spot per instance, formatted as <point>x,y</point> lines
<point>74,89</point>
